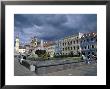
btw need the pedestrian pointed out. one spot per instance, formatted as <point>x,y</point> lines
<point>94,57</point>
<point>88,58</point>
<point>21,60</point>
<point>84,58</point>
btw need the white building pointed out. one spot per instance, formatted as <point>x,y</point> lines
<point>18,48</point>
<point>22,50</point>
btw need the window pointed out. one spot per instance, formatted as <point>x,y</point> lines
<point>92,46</point>
<point>71,48</point>
<point>68,48</point>
<point>85,47</point>
<point>87,40</point>
<point>74,42</point>
<point>92,53</point>
<point>88,53</point>
<point>63,44</point>
<point>88,46</point>
<point>91,39</point>
<point>77,41</point>
<point>63,49</point>
<point>71,42</point>
<point>68,43</point>
<point>74,47</point>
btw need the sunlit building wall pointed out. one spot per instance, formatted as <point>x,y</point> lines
<point>70,44</point>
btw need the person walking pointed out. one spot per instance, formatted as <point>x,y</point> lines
<point>21,60</point>
<point>84,58</point>
<point>94,57</point>
<point>88,59</point>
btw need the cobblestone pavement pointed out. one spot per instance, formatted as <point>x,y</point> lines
<point>81,70</point>
<point>20,70</point>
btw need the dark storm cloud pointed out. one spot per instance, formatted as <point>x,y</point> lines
<point>53,26</point>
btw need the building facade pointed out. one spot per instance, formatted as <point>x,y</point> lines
<point>88,43</point>
<point>74,44</point>
<point>18,47</point>
<point>49,46</point>
<point>51,50</point>
<point>58,48</point>
<point>22,49</point>
<point>70,45</point>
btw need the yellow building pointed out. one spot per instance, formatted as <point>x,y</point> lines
<point>70,44</point>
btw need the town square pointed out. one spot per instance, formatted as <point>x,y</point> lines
<point>55,45</point>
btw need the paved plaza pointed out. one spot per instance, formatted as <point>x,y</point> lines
<point>81,69</point>
<point>20,70</point>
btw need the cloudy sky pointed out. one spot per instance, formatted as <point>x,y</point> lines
<point>52,26</point>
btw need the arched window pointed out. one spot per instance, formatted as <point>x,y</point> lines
<point>71,48</point>
<point>71,42</point>
<point>77,41</point>
<point>63,44</point>
<point>85,47</point>
<point>92,46</point>
<point>68,48</point>
<point>74,47</point>
<point>92,53</point>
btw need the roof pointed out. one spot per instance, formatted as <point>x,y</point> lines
<point>50,43</point>
<point>89,34</point>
